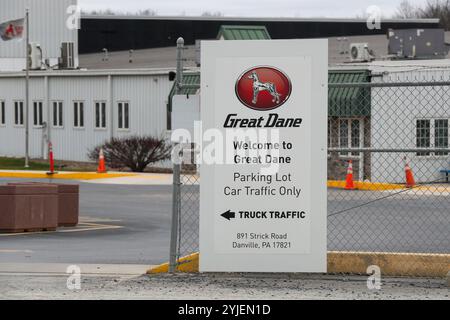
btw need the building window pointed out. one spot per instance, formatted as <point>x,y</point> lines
<point>58,114</point>
<point>350,135</point>
<point>423,139</point>
<point>432,133</point>
<point>38,118</point>
<point>2,113</point>
<point>18,113</point>
<point>78,114</point>
<point>441,135</point>
<point>100,115</point>
<point>124,115</point>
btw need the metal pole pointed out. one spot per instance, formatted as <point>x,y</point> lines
<point>179,79</point>
<point>175,212</point>
<point>176,170</point>
<point>27,89</point>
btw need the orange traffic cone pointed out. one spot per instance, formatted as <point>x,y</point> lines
<point>349,180</point>
<point>410,182</point>
<point>101,162</point>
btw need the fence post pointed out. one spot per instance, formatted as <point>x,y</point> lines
<point>175,212</point>
<point>176,170</point>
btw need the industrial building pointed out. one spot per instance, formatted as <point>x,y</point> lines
<point>77,110</point>
<point>73,108</point>
<point>106,94</point>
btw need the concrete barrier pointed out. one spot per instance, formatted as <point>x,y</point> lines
<point>28,208</point>
<point>68,202</point>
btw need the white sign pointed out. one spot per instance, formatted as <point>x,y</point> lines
<point>263,209</point>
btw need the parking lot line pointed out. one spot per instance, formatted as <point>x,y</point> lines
<point>82,227</point>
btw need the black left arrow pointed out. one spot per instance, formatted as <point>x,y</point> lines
<point>229,215</point>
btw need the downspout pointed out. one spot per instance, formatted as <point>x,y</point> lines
<point>46,137</point>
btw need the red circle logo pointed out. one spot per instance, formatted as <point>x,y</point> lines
<point>263,88</point>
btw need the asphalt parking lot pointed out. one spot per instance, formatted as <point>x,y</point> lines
<point>141,212</point>
<point>134,226</point>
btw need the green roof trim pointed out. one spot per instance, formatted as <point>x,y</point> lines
<point>231,32</point>
<point>348,102</point>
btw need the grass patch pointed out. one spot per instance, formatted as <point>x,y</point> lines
<point>19,164</point>
<point>43,165</point>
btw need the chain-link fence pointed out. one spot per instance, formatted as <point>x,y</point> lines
<point>385,130</point>
<point>186,210</point>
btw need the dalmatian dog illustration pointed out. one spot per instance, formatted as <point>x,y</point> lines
<point>259,86</point>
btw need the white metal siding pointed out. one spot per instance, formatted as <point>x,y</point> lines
<point>147,95</point>
<point>71,143</point>
<point>47,26</point>
<point>12,137</point>
<point>393,125</point>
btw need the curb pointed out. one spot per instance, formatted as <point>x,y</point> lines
<point>391,264</point>
<point>361,185</point>
<point>188,264</point>
<point>65,176</point>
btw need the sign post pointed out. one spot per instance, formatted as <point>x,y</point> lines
<point>263,201</point>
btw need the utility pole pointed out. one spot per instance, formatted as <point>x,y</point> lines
<point>27,88</point>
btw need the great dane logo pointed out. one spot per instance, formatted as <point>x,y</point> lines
<point>258,86</point>
<point>263,88</point>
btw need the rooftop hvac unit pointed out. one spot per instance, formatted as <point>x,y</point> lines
<point>359,52</point>
<point>67,55</point>
<point>417,43</point>
<point>34,56</point>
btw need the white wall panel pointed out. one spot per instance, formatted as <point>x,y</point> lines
<point>70,143</point>
<point>146,95</point>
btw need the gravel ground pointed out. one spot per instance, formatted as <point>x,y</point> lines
<point>218,286</point>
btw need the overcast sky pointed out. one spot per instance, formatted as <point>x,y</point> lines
<point>266,8</point>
